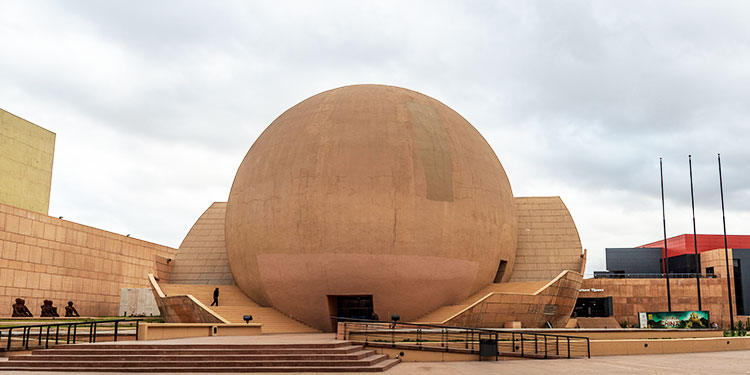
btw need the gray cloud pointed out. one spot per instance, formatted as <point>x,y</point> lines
<point>156,103</point>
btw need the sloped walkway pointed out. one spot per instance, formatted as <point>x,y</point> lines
<point>234,304</point>
<point>444,313</point>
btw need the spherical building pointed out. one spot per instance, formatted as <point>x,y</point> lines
<point>368,191</point>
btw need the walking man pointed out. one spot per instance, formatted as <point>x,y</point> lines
<point>216,297</point>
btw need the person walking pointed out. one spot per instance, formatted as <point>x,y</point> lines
<point>216,297</point>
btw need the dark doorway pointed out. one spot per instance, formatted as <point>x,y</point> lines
<point>739,300</point>
<point>500,271</point>
<point>358,307</point>
<point>593,307</point>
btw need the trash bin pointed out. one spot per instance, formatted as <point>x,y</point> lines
<point>488,347</point>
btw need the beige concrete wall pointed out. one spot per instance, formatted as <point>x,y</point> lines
<point>42,257</point>
<point>186,309</point>
<point>631,296</point>
<point>553,304</point>
<point>670,346</point>
<point>202,256</point>
<point>26,153</point>
<point>548,241</point>
<point>163,268</point>
<point>164,331</point>
<point>138,301</point>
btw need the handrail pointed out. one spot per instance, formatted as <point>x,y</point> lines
<point>635,275</point>
<point>160,297</point>
<point>557,278</point>
<point>155,285</point>
<point>339,318</point>
<point>462,339</point>
<point>26,332</point>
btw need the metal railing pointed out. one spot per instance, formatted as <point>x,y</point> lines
<point>483,341</point>
<point>617,275</point>
<point>34,336</point>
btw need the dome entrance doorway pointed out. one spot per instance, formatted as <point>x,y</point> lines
<point>350,306</point>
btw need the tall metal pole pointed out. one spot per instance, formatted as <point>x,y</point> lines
<point>726,250</point>
<point>665,255</point>
<point>695,236</point>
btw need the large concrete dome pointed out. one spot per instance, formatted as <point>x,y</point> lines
<point>368,190</point>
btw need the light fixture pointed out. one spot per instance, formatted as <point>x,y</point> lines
<point>247,318</point>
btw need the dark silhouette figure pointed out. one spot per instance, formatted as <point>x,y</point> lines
<point>48,310</point>
<point>70,310</point>
<point>216,297</point>
<point>20,309</point>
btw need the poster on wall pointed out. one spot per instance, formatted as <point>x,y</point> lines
<point>678,319</point>
<point>642,320</point>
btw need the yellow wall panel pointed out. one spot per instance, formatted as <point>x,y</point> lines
<point>26,155</point>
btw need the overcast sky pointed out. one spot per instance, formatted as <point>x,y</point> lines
<point>155,103</point>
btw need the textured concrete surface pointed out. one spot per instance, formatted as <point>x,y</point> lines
<point>523,302</point>
<point>43,257</point>
<point>202,256</point>
<point>26,154</point>
<point>548,241</point>
<point>373,190</point>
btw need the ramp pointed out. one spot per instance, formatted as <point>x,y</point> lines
<point>234,304</point>
<point>443,314</point>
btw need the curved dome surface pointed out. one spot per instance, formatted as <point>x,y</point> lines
<point>368,190</point>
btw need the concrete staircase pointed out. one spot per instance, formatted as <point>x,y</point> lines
<point>444,313</point>
<point>233,304</point>
<point>341,356</point>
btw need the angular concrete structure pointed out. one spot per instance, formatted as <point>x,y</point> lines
<point>377,199</point>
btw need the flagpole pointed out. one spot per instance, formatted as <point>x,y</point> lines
<point>726,250</point>
<point>695,237</point>
<point>665,255</point>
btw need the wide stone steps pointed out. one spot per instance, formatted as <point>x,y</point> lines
<point>273,320</point>
<point>220,356</point>
<point>157,351</point>
<point>316,357</point>
<point>228,294</point>
<point>234,304</point>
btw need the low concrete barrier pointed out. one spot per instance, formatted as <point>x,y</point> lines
<point>629,333</point>
<point>160,331</point>
<point>668,346</point>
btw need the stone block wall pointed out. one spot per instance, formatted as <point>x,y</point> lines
<point>163,267</point>
<point>42,257</point>
<point>184,309</point>
<point>548,241</point>
<point>553,304</point>
<point>202,256</point>
<point>631,296</point>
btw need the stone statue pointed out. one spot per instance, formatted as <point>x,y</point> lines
<point>70,310</point>
<point>20,309</point>
<point>48,310</point>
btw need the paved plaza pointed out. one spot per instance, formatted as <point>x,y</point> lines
<point>730,362</point>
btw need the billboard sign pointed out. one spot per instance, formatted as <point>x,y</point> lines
<point>677,319</point>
